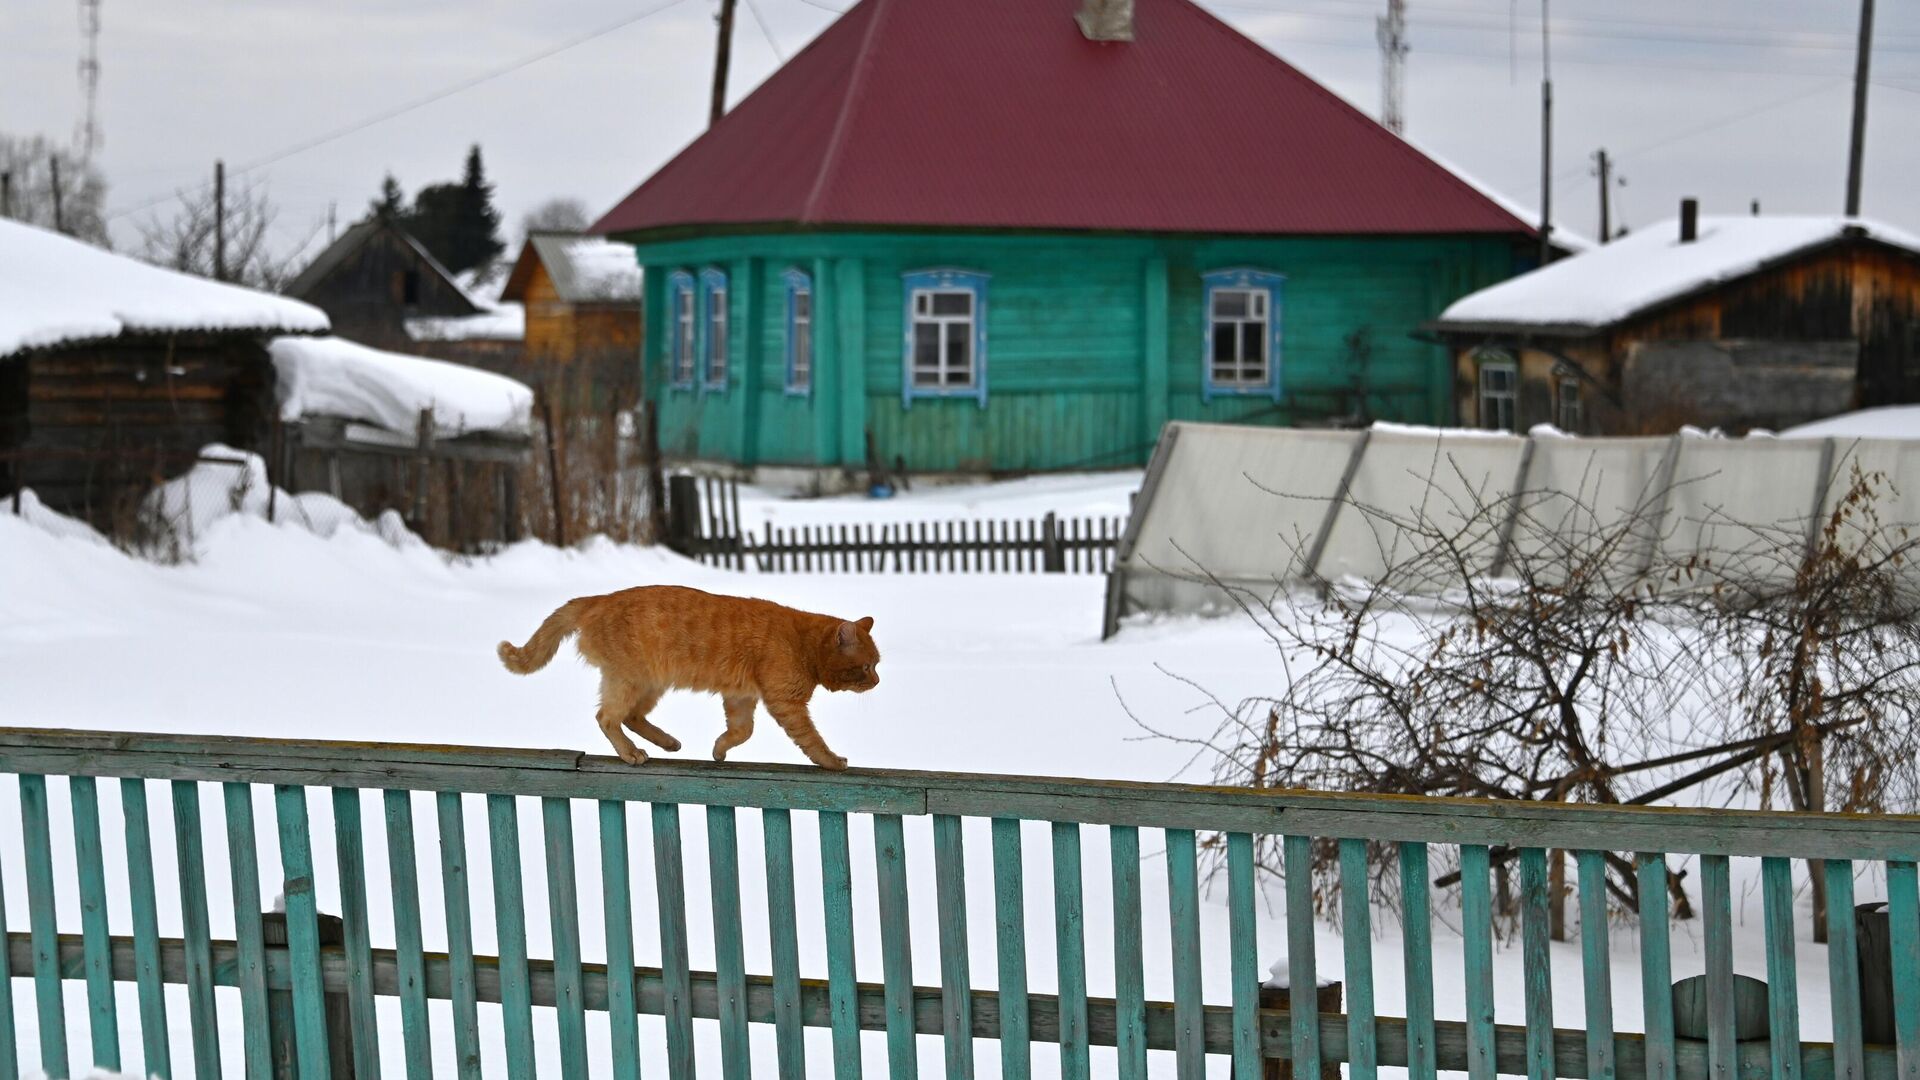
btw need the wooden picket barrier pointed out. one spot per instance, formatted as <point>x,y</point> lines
<point>309,969</point>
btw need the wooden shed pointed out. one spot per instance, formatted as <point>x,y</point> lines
<point>582,297</point>
<point>1734,322</point>
<point>114,373</point>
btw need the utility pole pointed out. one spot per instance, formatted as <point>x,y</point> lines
<point>1859,108</point>
<point>219,221</point>
<point>723,52</point>
<point>1546,143</point>
<point>1391,31</point>
<point>59,215</point>
<point>331,220</point>
<point>1603,168</point>
<point>6,194</point>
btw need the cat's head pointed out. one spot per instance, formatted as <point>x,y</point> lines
<point>853,661</point>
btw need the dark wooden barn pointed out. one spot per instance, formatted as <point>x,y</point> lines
<point>374,278</point>
<point>114,373</point>
<point>1734,322</point>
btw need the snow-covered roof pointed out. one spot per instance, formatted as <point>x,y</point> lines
<point>497,322</point>
<point>55,290</point>
<point>584,269</point>
<point>1885,422</point>
<point>1615,281</point>
<point>330,376</point>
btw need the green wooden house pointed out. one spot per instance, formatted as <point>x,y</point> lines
<point>999,237</point>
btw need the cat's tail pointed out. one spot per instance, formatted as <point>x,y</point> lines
<point>545,641</point>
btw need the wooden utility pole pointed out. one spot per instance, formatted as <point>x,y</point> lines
<point>723,53</point>
<point>1604,167</point>
<point>1546,143</point>
<point>1858,149</point>
<point>219,221</point>
<point>59,213</point>
<point>6,194</point>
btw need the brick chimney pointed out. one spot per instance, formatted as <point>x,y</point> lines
<point>1689,220</point>
<point>1106,20</point>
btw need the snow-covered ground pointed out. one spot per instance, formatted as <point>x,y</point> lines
<point>274,631</point>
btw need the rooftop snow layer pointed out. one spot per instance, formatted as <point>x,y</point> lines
<point>1629,275</point>
<point>55,289</point>
<point>1886,422</point>
<point>331,376</point>
<point>499,322</point>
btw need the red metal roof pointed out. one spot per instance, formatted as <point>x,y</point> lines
<point>1000,114</point>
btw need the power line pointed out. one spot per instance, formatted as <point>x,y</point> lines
<point>1714,125</point>
<point>418,103</point>
<point>1480,17</point>
<point>753,8</point>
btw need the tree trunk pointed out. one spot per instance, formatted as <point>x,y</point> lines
<point>1817,801</point>
<point>1557,891</point>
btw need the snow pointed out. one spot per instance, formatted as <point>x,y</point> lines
<point>591,268</point>
<point>55,289</point>
<point>330,376</point>
<point>280,631</point>
<point>1885,422</point>
<point>1616,280</point>
<point>497,322</point>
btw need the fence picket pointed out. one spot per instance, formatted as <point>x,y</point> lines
<point>350,850</point>
<point>1903,922</point>
<point>1070,948</point>
<point>90,864</point>
<point>1303,982</point>
<point>730,965</point>
<point>204,1020</point>
<point>675,976</point>
<point>1416,921</point>
<point>243,861</point>
<point>1535,932</point>
<point>1596,965</point>
<point>1129,978</point>
<point>1783,1000</point>
<point>776,826</point>
<point>1363,1055</point>
<point>403,874</point>
<point>836,888</point>
<point>1183,910</point>
<point>890,855</point>
<point>616,886</point>
<point>453,886</point>
<point>1722,1053</point>
<point>155,1058</point>
<point>563,909</point>
<point>1843,974</point>
<point>1245,942</point>
<point>50,1005</point>
<point>1656,968</point>
<point>956,977</point>
<point>510,922</point>
<point>303,932</point>
<point>1476,931</point>
<point>1010,937</point>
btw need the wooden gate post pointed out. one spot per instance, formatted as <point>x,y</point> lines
<point>1053,560</point>
<point>683,513</point>
<point>1327,1001</point>
<point>280,1034</point>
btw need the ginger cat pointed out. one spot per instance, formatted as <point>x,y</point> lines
<point>652,639</point>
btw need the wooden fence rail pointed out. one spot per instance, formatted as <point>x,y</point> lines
<point>284,990</point>
<point>708,528</point>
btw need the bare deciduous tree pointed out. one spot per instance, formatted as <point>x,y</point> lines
<point>183,237</point>
<point>29,163</point>
<point>557,214</point>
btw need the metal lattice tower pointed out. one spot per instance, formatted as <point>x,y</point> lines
<point>1391,30</point>
<point>86,136</point>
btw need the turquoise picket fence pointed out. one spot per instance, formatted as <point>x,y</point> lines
<point>291,985</point>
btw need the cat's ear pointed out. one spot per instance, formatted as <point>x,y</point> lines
<point>865,623</point>
<point>849,636</point>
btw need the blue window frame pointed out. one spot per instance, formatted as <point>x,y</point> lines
<point>682,330</point>
<point>944,344</point>
<point>714,325</point>
<point>1243,334</point>
<point>799,333</point>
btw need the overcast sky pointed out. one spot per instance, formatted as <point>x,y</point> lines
<point>1726,101</point>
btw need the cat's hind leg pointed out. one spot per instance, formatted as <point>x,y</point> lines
<point>646,697</point>
<point>739,725</point>
<point>617,697</point>
<point>798,724</point>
